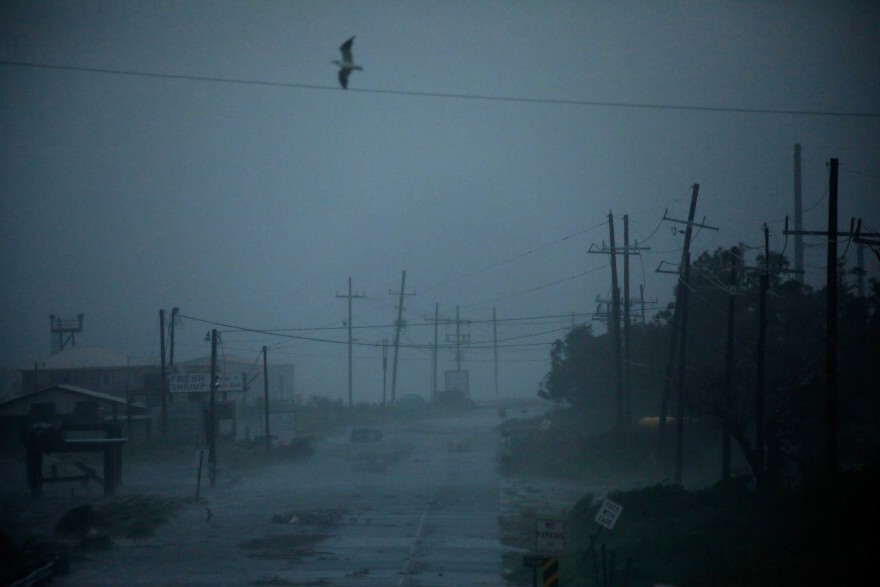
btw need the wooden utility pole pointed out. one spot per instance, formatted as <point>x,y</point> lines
<point>684,289</point>
<point>268,438</point>
<point>397,327</point>
<point>760,360</point>
<point>495,347</point>
<point>457,340</point>
<point>163,385</point>
<point>833,234</point>
<point>171,325</point>
<point>831,326</point>
<point>642,301</point>
<point>212,412</point>
<point>615,324</point>
<point>384,369</point>
<point>624,409</point>
<point>678,335</point>
<point>627,392</point>
<point>350,296</point>
<point>798,218</point>
<point>434,353</point>
<point>728,362</point>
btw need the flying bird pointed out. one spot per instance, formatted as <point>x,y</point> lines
<point>347,64</point>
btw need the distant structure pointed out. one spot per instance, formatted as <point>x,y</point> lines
<point>347,65</point>
<point>64,331</point>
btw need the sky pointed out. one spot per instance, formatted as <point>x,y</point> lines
<point>203,156</point>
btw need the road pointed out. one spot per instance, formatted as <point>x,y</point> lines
<point>404,511</point>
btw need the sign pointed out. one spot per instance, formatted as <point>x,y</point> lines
<point>534,561</point>
<point>608,513</point>
<point>550,537</point>
<point>199,383</point>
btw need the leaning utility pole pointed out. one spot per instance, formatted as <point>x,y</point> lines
<point>397,327</point>
<point>678,337</point>
<point>615,320</point>
<point>163,386</point>
<point>684,290</point>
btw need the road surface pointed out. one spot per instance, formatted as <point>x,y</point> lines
<point>419,507</point>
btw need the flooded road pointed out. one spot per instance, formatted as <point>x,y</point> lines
<point>418,507</point>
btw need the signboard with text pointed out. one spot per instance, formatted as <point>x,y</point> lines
<point>550,537</point>
<point>199,383</point>
<point>608,513</point>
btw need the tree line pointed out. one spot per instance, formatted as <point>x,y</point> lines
<point>722,387</point>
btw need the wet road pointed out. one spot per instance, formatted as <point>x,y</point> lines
<point>419,507</point>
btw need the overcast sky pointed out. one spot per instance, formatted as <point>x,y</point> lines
<point>480,150</point>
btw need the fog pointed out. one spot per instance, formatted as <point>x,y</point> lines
<point>159,155</point>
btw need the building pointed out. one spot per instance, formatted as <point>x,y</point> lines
<point>94,368</point>
<point>61,404</point>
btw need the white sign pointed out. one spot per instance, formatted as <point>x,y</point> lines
<point>550,537</point>
<point>608,513</point>
<point>199,383</point>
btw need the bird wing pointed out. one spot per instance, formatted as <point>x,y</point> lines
<point>346,50</point>
<point>343,77</point>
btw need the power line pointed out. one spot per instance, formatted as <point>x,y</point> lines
<point>446,95</point>
<point>518,255</point>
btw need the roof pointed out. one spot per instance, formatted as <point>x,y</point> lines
<point>73,389</point>
<point>84,357</point>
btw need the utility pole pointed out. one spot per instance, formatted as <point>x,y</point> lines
<point>614,322</point>
<point>495,347</point>
<point>642,300</point>
<point>397,327</point>
<point>685,285</point>
<point>163,386</point>
<point>833,234</point>
<point>171,325</point>
<point>760,387</point>
<point>457,340</point>
<point>435,364</point>
<point>798,218</point>
<point>831,325</point>
<point>627,398</point>
<point>268,438</point>
<point>728,363</point>
<point>434,353</point>
<point>384,368</point>
<point>678,339</point>
<point>350,296</point>
<point>212,412</point>
<point>615,318</point>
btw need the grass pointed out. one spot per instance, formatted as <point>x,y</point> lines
<point>131,517</point>
<point>820,530</point>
